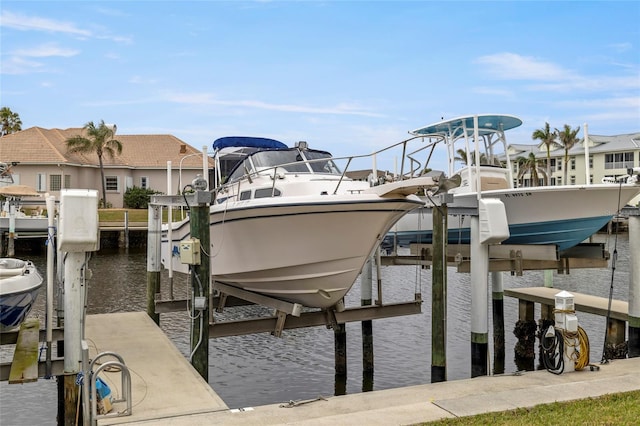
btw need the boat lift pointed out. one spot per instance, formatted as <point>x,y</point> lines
<point>287,315</point>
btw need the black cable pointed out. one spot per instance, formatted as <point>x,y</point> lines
<point>604,359</point>
<point>553,353</point>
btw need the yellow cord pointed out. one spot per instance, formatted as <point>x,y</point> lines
<point>579,355</point>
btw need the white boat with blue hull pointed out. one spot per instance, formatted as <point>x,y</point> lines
<point>20,283</point>
<point>560,215</point>
<point>289,224</point>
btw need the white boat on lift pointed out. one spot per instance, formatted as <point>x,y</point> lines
<point>11,210</point>
<point>20,283</point>
<point>563,215</point>
<point>287,222</point>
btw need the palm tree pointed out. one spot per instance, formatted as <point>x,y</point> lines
<point>462,157</point>
<point>10,120</point>
<point>534,167</point>
<point>100,141</point>
<point>547,137</point>
<point>568,138</point>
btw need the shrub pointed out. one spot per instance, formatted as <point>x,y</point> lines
<point>138,198</point>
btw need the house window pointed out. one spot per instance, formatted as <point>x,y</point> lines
<point>559,180</point>
<point>41,182</point>
<point>112,183</point>
<point>619,160</point>
<point>573,180</point>
<point>573,163</point>
<point>590,178</point>
<point>144,182</point>
<point>591,161</point>
<point>559,165</point>
<point>55,182</point>
<point>67,181</point>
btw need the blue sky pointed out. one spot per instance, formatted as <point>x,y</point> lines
<point>348,77</point>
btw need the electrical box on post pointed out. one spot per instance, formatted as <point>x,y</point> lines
<point>190,251</point>
<point>78,220</point>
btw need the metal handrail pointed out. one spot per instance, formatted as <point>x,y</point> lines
<point>125,385</point>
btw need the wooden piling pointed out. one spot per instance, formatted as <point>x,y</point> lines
<point>439,296</point>
<point>525,332</point>
<point>634,286</point>
<point>497,297</point>
<point>200,279</point>
<point>366,286</point>
<point>340,346</point>
<point>126,229</point>
<point>154,244</point>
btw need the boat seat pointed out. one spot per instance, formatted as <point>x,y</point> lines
<point>488,183</point>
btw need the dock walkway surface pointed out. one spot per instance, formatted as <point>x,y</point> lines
<point>168,391</point>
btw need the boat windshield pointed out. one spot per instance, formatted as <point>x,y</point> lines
<point>292,160</point>
<point>322,166</point>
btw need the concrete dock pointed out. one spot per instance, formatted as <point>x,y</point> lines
<point>166,390</point>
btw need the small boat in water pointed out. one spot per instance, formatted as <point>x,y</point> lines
<point>20,283</point>
<point>286,222</point>
<point>563,215</point>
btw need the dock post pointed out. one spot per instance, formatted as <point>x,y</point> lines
<point>439,296</point>
<point>366,299</point>
<point>497,296</point>
<point>200,279</point>
<point>479,301</point>
<point>340,346</point>
<point>525,332</point>
<point>11,252</point>
<point>126,229</point>
<point>73,331</point>
<point>154,244</point>
<point>51,252</point>
<point>634,286</point>
<point>546,311</point>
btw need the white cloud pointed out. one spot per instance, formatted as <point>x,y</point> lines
<point>18,65</point>
<point>511,66</point>
<point>45,50</point>
<point>27,23</point>
<point>210,99</point>
<point>621,47</point>
<point>34,23</point>
<point>492,91</point>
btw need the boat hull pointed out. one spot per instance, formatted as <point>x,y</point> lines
<point>299,251</point>
<point>25,224</point>
<point>18,293</point>
<point>560,215</point>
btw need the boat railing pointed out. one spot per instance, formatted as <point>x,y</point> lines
<point>414,167</point>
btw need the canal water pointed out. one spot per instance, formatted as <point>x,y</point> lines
<point>261,369</point>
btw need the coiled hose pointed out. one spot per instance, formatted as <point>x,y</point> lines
<point>554,347</point>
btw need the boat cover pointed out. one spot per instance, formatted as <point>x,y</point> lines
<point>247,141</point>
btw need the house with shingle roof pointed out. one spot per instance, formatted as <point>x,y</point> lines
<point>43,162</point>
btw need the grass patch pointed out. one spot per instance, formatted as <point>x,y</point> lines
<point>135,215</point>
<point>613,409</point>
